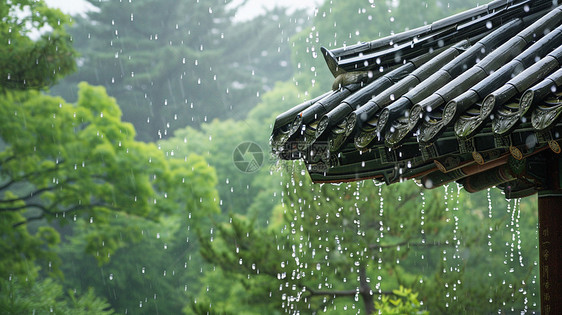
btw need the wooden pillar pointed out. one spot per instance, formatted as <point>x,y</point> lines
<point>550,238</point>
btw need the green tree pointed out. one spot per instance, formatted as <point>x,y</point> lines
<point>444,253</point>
<point>64,163</point>
<point>74,170</point>
<point>175,63</point>
<point>26,63</point>
<point>46,296</point>
<point>499,273</point>
<point>62,160</point>
<point>339,248</point>
<point>324,249</point>
<point>160,273</point>
<point>252,193</point>
<point>33,63</point>
<point>405,303</point>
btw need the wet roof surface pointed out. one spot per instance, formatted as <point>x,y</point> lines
<point>471,98</point>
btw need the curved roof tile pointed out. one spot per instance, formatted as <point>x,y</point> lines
<point>464,99</point>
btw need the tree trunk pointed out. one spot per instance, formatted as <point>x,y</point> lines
<point>365,291</point>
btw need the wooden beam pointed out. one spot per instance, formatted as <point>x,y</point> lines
<point>550,238</point>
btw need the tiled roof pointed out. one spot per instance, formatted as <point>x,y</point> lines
<point>471,98</point>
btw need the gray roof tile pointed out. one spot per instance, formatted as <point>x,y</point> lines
<point>463,99</point>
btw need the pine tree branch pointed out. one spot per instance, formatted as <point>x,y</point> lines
<point>332,293</point>
<point>340,293</point>
<point>408,244</point>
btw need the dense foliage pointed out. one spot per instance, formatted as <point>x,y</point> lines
<point>175,63</point>
<point>76,170</point>
<point>28,63</point>
<point>93,221</point>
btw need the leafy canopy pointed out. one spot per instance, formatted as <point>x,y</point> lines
<point>63,161</point>
<point>26,62</point>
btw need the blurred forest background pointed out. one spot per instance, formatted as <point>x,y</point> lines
<point>118,191</point>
